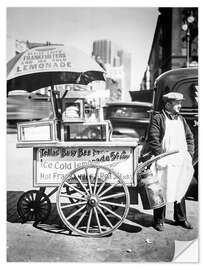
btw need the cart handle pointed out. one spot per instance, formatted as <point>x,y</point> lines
<point>148,162</point>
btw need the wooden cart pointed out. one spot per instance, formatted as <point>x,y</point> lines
<point>92,183</point>
<point>72,152</point>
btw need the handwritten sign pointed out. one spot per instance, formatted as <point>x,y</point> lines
<point>52,164</point>
<point>43,59</point>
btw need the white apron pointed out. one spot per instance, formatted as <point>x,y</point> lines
<point>175,171</point>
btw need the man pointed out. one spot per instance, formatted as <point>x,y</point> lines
<point>169,131</point>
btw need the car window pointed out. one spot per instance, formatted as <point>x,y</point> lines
<point>189,89</point>
<point>128,112</point>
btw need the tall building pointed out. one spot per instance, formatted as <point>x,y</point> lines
<point>117,64</point>
<point>175,43</point>
<point>105,49</point>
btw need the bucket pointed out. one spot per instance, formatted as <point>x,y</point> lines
<point>151,192</point>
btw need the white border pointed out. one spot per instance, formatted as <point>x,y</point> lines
<point>49,3</point>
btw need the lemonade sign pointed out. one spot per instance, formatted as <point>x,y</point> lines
<point>52,164</point>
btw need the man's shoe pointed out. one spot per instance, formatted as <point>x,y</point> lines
<point>185,224</point>
<point>159,227</point>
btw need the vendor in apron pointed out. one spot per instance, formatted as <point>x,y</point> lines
<point>169,131</point>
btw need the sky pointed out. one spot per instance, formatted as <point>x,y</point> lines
<point>131,28</point>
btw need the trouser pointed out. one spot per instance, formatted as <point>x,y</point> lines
<point>178,215</point>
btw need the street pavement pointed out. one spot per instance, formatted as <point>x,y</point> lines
<point>135,240</point>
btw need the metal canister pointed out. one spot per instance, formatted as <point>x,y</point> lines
<point>151,192</point>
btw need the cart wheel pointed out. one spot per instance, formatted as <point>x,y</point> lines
<point>89,209</point>
<point>31,208</point>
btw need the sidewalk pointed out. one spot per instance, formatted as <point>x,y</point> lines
<point>135,241</point>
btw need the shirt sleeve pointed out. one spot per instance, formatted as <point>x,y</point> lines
<point>154,135</point>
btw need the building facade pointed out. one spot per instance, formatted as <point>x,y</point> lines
<point>117,64</point>
<point>175,43</point>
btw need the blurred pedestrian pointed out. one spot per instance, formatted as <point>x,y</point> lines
<point>169,131</point>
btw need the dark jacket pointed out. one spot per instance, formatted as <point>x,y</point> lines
<point>157,130</point>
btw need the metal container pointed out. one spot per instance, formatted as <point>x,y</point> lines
<point>151,192</point>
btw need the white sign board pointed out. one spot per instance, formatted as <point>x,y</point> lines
<point>52,164</point>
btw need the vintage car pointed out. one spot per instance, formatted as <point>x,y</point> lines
<point>23,106</point>
<point>129,119</point>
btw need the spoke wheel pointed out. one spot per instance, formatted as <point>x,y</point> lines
<point>32,208</point>
<point>98,203</point>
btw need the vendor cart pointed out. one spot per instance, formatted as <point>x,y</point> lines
<point>76,157</point>
<point>91,182</point>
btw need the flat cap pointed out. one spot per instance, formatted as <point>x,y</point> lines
<point>173,96</point>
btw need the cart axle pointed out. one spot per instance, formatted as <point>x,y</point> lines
<point>93,201</point>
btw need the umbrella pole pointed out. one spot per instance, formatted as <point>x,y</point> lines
<point>53,103</point>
